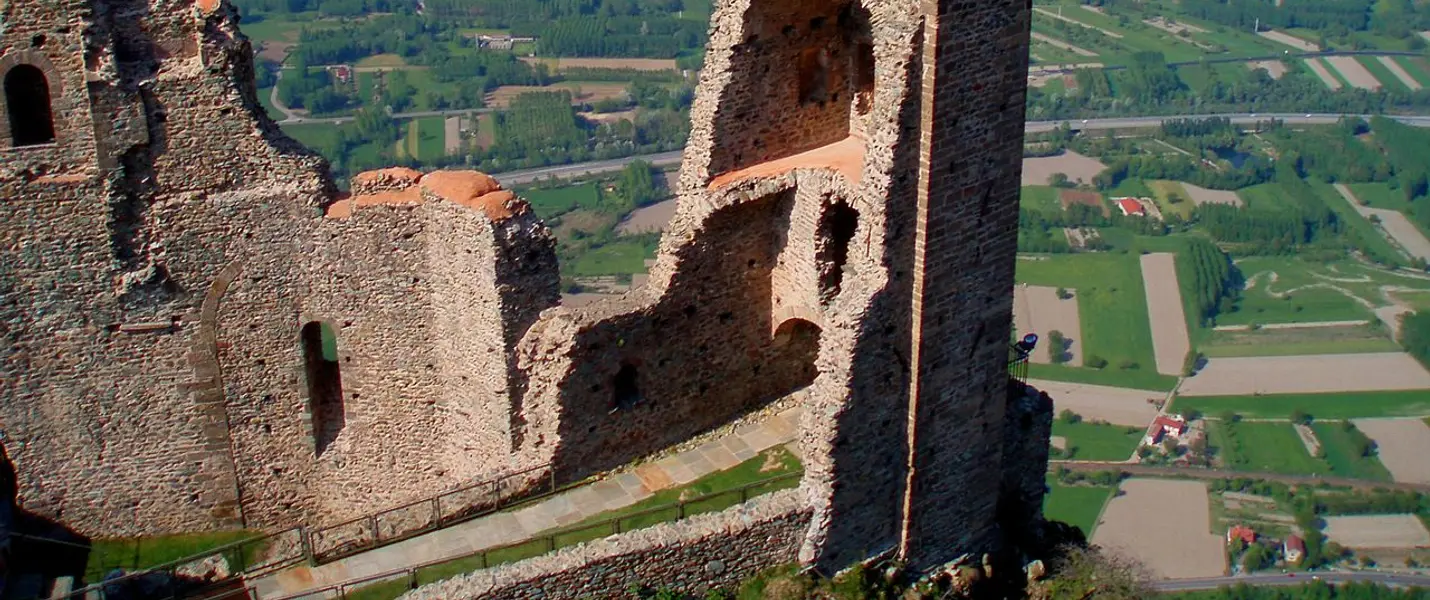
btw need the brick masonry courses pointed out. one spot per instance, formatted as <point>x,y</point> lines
<point>163,254</point>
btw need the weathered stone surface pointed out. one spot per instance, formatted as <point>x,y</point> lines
<point>846,223</point>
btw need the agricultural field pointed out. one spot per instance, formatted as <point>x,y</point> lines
<point>1290,290</point>
<point>1416,68</point>
<point>1377,531</point>
<point>1112,307</point>
<point>551,202</point>
<point>1380,195</point>
<point>1261,447</point>
<point>1118,406</point>
<point>1077,505</point>
<point>1296,341</point>
<point>1259,512</point>
<point>1389,73</point>
<point>1402,445</point>
<point>1171,198</point>
<point>1342,445</point>
<point>621,257</point>
<point>1179,511</point>
<point>1040,198</point>
<point>1322,407</point>
<point>1093,441</point>
<point>1307,374</point>
<point>1039,309</point>
<point>581,91</point>
<point>1077,167</point>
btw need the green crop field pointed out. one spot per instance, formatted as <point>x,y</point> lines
<point>1342,453</point>
<point>1041,198</point>
<point>1301,293</point>
<point>1379,195</point>
<point>1367,232</point>
<point>1339,405</point>
<point>432,138</point>
<point>552,202</point>
<point>1269,196</point>
<point>1164,191</point>
<point>1144,379</point>
<point>1089,441</point>
<point>1265,447</point>
<point>1388,80</point>
<point>1112,307</point>
<point>1077,505</point>
<point>1416,68</point>
<point>624,257</point>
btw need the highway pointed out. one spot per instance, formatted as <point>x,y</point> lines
<point>673,157</point>
<point>1395,579</point>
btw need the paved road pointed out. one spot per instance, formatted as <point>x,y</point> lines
<point>1396,579</point>
<point>586,168</point>
<point>673,157</point>
<point>1198,473</point>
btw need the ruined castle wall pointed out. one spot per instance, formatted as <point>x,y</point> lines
<point>474,262</point>
<point>705,552</point>
<point>790,81</point>
<point>971,151</point>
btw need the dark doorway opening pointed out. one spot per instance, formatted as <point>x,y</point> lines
<point>325,384</point>
<point>836,231</point>
<point>625,388</point>
<point>796,345</point>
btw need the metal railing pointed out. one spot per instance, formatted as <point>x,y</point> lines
<point>175,579</point>
<point>1017,365</point>
<point>333,542</point>
<point>261,555</point>
<point>398,581</point>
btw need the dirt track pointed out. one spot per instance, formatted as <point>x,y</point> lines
<point>1164,310</point>
<point>1201,195</point>
<point>1321,71</point>
<point>1038,309</point>
<point>1395,69</point>
<point>1307,374</point>
<point>1119,406</point>
<point>1404,445</point>
<point>1036,171</point>
<point>1377,531</point>
<point>1274,68</point>
<point>1166,525</point>
<point>1289,40</point>
<point>1354,72</point>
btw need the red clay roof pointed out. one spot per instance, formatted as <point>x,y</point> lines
<point>1296,543</point>
<point>1242,532</point>
<point>1131,207</point>
<point>1164,421</point>
<point>400,185</point>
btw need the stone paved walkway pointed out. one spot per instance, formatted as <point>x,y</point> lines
<point>622,489</point>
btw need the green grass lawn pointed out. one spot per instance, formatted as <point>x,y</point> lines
<point>1301,306</point>
<point>431,138</point>
<point>1295,342</point>
<point>1077,505</point>
<point>622,257</point>
<point>1363,228</point>
<point>1339,446</point>
<point>1163,191</point>
<point>1142,379</point>
<point>145,552</point>
<point>265,99</point>
<point>1089,441</point>
<point>1340,405</point>
<point>1379,195</point>
<point>1042,198</point>
<point>551,202</point>
<point>768,464</point>
<point>1266,447</point>
<point>1112,308</point>
<point>1268,196</point>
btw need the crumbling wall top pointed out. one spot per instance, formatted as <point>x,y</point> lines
<point>400,185</point>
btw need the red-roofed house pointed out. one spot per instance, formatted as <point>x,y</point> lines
<point>1131,206</point>
<point>1164,425</point>
<point>1241,532</point>
<point>1295,549</point>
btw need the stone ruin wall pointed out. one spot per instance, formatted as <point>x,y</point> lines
<point>163,254</point>
<point>226,238</point>
<point>705,552</point>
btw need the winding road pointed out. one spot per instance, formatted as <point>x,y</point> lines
<point>1394,579</point>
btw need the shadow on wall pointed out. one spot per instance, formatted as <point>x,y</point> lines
<point>701,357</point>
<point>325,384</point>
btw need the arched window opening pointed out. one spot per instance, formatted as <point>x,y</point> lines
<point>27,97</point>
<point>836,230</point>
<point>325,384</point>
<point>625,388</point>
<point>813,75</point>
<point>796,343</point>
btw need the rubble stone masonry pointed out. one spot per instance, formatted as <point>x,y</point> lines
<point>200,331</point>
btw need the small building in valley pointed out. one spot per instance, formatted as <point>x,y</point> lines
<point>1131,207</point>
<point>1294,549</point>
